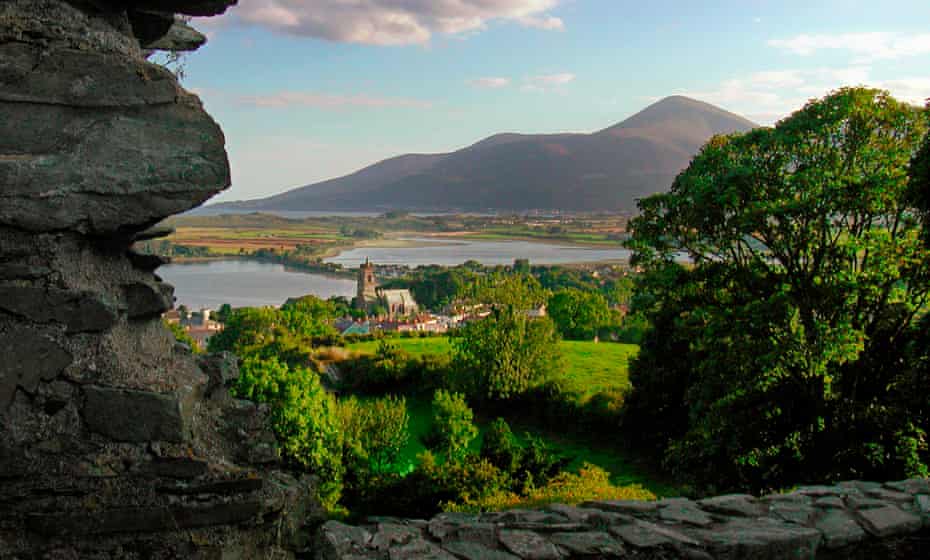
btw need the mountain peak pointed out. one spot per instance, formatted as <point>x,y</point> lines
<point>689,121</point>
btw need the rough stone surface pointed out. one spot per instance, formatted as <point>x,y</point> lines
<point>776,527</point>
<point>137,416</point>
<point>43,362</point>
<point>889,520</point>
<point>114,442</point>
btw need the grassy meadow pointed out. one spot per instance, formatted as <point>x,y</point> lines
<point>589,368</point>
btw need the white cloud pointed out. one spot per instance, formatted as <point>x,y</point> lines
<point>768,96</point>
<point>864,47</point>
<point>547,82</point>
<point>327,101</point>
<point>549,23</point>
<point>490,82</point>
<point>391,22</point>
<point>550,80</point>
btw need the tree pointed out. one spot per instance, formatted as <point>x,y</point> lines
<point>506,353</point>
<point>453,428</point>
<point>763,368</point>
<point>578,314</point>
<point>303,415</point>
<point>374,433</point>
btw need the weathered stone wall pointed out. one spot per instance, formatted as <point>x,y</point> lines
<point>860,520</point>
<point>114,441</point>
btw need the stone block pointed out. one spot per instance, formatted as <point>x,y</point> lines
<point>911,486</point>
<point>528,545</point>
<point>629,507</point>
<point>683,511</point>
<point>337,540</point>
<point>596,544</point>
<point>419,549</point>
<point>27,358</point>
<point>737,505</point>
<point>390,535</point>
<point>839,529</point>
<point>143,519</point>
<point>146,300</point>
<point>761,539</point>
<point>642,534</point>
<point>78,311</point>
<point>798,513</point>
<point>137,416</point>
<point>888,521</point>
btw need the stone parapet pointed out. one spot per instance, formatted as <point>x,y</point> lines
<point>860,520</point>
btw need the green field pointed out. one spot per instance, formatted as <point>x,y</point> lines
<point>590,367</point>
<point>623,471</point>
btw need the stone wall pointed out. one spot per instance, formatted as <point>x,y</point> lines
<point>115,442</point>
<point>860,520</point>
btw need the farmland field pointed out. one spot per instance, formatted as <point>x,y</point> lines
<point>590,367</point>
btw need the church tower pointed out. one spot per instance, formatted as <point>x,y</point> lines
<point>367,286</point>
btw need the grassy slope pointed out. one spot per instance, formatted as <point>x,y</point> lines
<point>590,367</point>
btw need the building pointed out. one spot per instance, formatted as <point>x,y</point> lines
<point>397,303</point>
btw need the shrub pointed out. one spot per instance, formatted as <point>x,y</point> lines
<point>453,429</point>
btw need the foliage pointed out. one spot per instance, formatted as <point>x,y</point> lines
<point>578,315</point>
<point>769,358</point>
<point>506,353</point>
<point>304,417</point>
<point>374,433</point>
<point>287,333</point>
<point>453,427</point>
<point>182,336</point>
<point>500,447</point>
<point>591,483</point>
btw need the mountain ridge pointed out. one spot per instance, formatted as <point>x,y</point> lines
<point>604,170</point>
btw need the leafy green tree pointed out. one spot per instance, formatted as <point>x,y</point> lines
<point>453,427</point>
<point>304,417</point>
<point>222,314</point>
<point>506,353</point>
<point>577,314</point>
<point>375,433</point>
<point>309,316</point>
<point>500,447</point>
<point>807,271</point>
<point>247,331</point>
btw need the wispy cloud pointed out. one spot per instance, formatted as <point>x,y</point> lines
<point>490,82</point>
<point>547,82</point>
<point>391,22</point>
<point>329,101</point>
<point>864,47</point>
<point>768,96</point>
<point>547,22</point>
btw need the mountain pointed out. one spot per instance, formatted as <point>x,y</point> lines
<point>606,170</point>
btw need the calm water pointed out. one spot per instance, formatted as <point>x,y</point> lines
<point>247,284</point>
<point>453,252</point>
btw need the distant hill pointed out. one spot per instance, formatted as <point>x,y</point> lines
<point>606,170</point>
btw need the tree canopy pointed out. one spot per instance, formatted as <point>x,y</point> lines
<point>768,360</point>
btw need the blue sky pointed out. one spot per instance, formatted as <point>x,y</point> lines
<point>307,90</point>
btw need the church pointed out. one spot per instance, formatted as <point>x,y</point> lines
<point>398,303</point>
